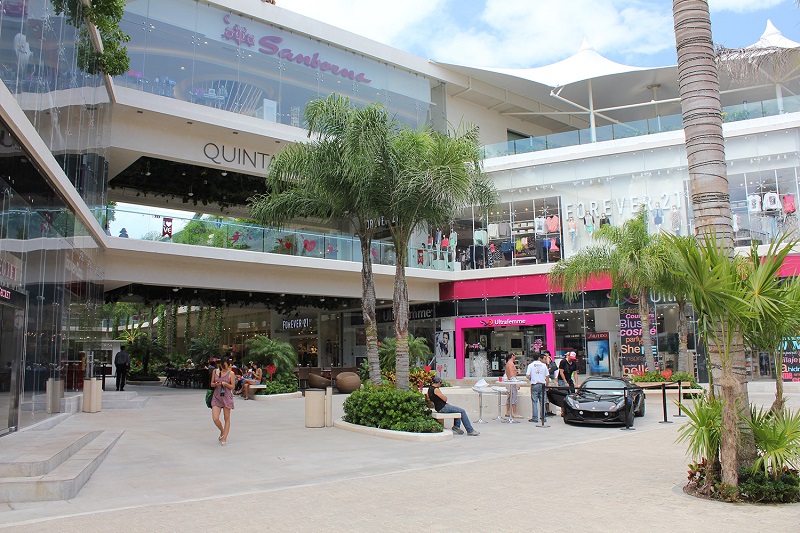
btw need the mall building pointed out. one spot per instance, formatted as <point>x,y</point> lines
<point>135,188</point>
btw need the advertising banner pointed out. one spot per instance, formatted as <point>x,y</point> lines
<point>630,338</point>
<point>790,370</point>
<point>598,352</point>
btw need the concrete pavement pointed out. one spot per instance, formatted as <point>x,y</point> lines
<point>168,473</point>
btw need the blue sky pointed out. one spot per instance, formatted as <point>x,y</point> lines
<point>527,33</point>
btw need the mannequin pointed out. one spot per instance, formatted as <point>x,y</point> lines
<point>658,215</point>
<point>604,220</point>
<point>573,230</point>
<point>588,221</point>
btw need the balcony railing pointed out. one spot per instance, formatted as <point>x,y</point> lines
<point>744,111</point>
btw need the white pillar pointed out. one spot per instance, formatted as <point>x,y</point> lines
<point>592,124</point>
<point>779,97</point>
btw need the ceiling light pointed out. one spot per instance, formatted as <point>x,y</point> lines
<point>175,289</point>
<point>224,173</point>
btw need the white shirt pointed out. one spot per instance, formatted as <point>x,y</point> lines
<point>537,373</point>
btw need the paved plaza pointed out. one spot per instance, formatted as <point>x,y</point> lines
<point>168,473</point>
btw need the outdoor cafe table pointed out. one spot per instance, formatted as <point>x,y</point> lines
<point>507,384</point>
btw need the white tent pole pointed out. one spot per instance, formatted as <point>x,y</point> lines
<point>779,98</point>
<point>592,124</point>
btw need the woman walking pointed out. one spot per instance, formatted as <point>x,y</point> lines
<point>224,381</point>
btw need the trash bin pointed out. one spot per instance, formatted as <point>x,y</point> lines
<point>315,408</point>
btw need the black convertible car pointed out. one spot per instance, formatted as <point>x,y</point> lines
<point>600,400</point>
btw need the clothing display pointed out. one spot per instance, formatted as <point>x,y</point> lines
<point>788,203</point>
<point>676,219</point>
<point>493,231</point>
<point>735,221</point>
<point>604,220</point>
<point>753,203</point>
<point>453,239</point>
<point>771,202</point>
<point>504,229</point>
<point>539,226</point>
<point>553,224</point>
<point>658,215</point>
<point>573,230</point>
<point>481,237</point>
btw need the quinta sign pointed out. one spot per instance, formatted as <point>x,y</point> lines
<point>221,153</point>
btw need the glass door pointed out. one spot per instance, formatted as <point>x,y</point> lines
<point>12,320</point>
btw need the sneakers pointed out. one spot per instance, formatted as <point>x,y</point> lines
<point>532,420</point>
<point>458,431</point>
<point>473,433</point>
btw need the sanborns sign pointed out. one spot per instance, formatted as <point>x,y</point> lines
<point>269,45</point>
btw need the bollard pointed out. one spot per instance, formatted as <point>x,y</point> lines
<point>542,418</point>
<point>627,408</point>
<point>664,403</point>
<point>680,399</point>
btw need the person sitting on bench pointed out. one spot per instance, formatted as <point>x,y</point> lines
<point>440,404</point>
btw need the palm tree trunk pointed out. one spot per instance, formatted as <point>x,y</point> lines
<point>702,120</point>
<point>683,334</point>
<point>780,402</point>
<point>729,440</point>
<point>368,309</point>
<point>647,341</point>
<point>401,321</point>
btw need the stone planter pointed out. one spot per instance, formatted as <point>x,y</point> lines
<point>347,382</point>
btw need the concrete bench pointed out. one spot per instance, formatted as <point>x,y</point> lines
<point>251,388</point>
<point>441,417</point>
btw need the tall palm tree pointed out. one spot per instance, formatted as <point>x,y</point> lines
<point>717,290</point>
<point>630,256</point>
<point>427,179</point>
<point>673,284</point>
<point>333,177</point>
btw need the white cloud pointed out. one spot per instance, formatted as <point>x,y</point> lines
<point>381,21</point>
<point>520,33</point>
<point>742,6</point>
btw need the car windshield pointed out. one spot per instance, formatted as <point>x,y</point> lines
<point>611,385</point>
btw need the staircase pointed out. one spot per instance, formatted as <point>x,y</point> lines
<point>52,464</point>
<point>123,400</point>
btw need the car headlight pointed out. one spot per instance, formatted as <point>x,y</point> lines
<point>620,404</point>
<point>572,402</point>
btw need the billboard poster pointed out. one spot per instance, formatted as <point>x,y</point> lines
<point>445,355</point>
<point>790,369</point>
<point>598,352</point>
<point>630,337</point>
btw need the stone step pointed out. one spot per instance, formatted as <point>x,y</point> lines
<point>64,481</point>
<point>27,454</point>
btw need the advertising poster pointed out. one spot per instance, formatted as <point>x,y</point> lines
<point>445,365</point>
<point>790,370</point>
<point>598,352</point>
<point>630,338</point>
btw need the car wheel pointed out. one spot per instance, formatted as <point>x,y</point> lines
<point>631,417</point>
<point>640,411</point>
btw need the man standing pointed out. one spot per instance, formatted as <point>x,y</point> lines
<point>537,373</point>
<point>567,370</point>
<point>513,391</point>
<point>122,362</point>
<point>439,401</point>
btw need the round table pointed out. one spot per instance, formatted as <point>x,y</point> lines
<point>507,384</point>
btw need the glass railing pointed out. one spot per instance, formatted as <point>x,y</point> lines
<point>734,113</point>
<point>230,233</point>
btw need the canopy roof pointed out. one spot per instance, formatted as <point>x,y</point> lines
<point>773,38</point>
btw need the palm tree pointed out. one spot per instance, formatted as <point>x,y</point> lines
<point>427,178</point>
<point>263,350</point>
<point>418,351</point>
<point>717,291</point>
<point>775,305</point>
<point>672,283</point>
<point>630,256</point>
<point>333,177</point>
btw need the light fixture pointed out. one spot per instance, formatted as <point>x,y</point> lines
<point>147,172</point>
<point>175,289</point>
<point>224,172</point>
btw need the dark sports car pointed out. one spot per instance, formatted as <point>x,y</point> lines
<point>600,400</point>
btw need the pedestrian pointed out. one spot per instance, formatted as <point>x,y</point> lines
<point>122,362</point>
<point>123,233</point>
<point>513,391</point>
<point>537,374</point>
<point>567,371</point>
<point>224,381</point>
<point>439,400</point>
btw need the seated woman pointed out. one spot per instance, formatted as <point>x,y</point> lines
<point>254,378</point>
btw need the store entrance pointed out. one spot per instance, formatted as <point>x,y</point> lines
<point>12,321</point>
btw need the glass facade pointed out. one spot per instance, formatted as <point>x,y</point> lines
<point>68,107</point>
<point>199,53</point>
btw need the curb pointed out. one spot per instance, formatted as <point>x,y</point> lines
<point>276,397</point>
<point>395,435</point>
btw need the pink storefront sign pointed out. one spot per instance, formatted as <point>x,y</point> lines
<point>546,319</point>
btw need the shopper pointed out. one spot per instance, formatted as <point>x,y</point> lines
<point>122,362</point>
<point>537,374</point>
<point>439,400</point>
<point>253,377</point>
<point>513,391</point>
<point>567,371</point>
<point>224,381</point>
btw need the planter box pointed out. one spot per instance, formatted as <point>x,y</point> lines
<point>396,435</point>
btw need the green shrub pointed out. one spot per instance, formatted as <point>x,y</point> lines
<point>777,439</point>
<point>757,486</point>
<point>387,408</point>
<point>684,376</point>
<point>281,385</point>
<point>149,376</point>
<point>423,425</point>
